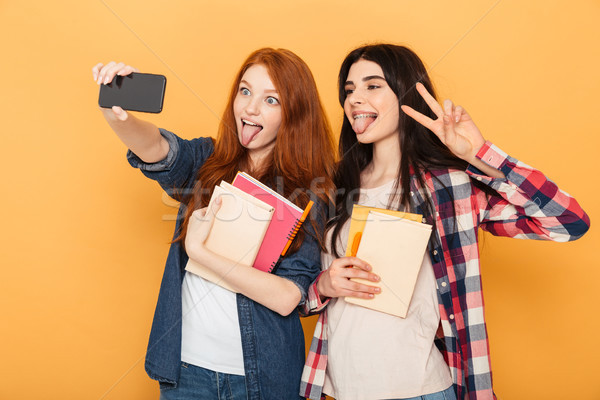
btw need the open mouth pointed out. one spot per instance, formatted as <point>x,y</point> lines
<point>362,121</point>
<point>249,131</point>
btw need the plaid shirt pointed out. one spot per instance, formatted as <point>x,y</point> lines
<point>529,206</point>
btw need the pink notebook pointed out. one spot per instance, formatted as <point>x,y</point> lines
<point>285,223</point>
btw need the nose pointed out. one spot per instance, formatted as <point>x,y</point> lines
<point>252,108</point>
<point>355,98</point>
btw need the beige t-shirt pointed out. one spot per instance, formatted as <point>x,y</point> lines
<point>373,355</point>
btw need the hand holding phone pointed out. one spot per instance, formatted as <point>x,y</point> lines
<point>125,87</point>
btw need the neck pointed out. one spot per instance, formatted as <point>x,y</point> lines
<point>385,164</point>
<point>257,160</point>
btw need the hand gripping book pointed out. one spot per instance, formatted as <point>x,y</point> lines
<point>238,230</point>
<point>284,225</point>
<point>394,246</point>
<point>359,218</point>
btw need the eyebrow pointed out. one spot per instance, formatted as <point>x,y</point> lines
<point>266,91</point>
<point>366,78</point>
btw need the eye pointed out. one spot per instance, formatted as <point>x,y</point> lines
<point>371,87</point>
<point>244,91</point>
<point>348,91</point>
<point>272,100</point>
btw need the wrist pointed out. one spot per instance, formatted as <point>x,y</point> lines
<point>196,252</point>
<point>319,286</point>
<point>476,149</point>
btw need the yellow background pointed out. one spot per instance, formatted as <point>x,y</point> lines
<point>84,236</point>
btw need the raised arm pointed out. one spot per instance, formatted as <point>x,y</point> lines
<point>529,205</point>
<point>141,137</point>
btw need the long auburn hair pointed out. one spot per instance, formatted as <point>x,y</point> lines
<point>301,163</point>
<point>421,149</point>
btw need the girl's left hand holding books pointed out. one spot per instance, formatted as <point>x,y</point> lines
<point>199,227</point>
<point>335,280</point>
<point>274,292</point>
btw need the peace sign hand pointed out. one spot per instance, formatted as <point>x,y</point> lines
<point>454,127</point>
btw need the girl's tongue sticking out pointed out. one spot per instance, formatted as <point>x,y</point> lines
<point>249,131</point>
<point>362,122</point>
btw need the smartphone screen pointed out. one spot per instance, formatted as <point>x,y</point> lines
<point>134,92</point>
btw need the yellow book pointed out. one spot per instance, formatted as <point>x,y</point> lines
<point>394,246</point>
<point>359,219</point>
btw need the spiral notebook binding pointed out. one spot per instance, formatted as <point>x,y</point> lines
<point>290,236</point>
<point>297,226</point>
<point>273,264</point>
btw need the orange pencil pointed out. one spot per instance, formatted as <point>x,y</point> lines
<point>298,224</point>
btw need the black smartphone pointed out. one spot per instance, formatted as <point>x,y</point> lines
<point>134,92</point>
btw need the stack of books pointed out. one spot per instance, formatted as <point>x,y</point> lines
<point>393,243</point>
<point>254,227</point>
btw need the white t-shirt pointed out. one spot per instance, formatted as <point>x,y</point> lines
<point>210,327</point>
<point>373,355</point>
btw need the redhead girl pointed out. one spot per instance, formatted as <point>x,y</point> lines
<point>401,149</point>
<point>207,342</point>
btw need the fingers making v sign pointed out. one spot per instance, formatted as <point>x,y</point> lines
<point>453,126</point>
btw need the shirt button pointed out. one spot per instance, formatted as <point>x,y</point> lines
<point>451,316</point>
<point>478,178</point>
<point>435,252</point>
<point>411,193</point>
<point>444,284</point>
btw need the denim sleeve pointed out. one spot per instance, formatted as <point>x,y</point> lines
<point>179,168</point>
<point>303,266</point>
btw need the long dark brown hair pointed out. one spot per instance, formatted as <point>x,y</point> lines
<point>421,149</point>
<point>301,163</point>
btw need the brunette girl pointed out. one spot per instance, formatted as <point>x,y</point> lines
<point>207,342</point>
<point>401,149</point>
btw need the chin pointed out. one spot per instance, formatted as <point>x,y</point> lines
<point>363,138</point>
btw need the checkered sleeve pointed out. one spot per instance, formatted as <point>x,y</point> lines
<point>313,304</point>
<point>313,375</point>
<point>529,205</point>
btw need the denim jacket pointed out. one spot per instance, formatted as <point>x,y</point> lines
<point>272,345</point>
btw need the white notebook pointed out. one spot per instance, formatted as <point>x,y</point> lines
<point>237,233</point>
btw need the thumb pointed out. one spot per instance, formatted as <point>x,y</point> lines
<point>120,113</point>
<point>215,206</point>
